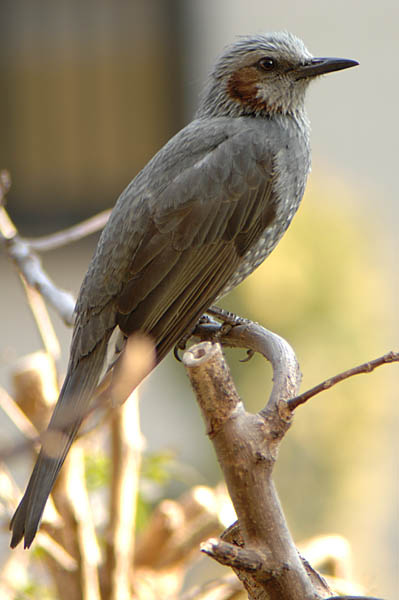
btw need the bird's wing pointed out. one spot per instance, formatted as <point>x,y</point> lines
<point>172,246</point>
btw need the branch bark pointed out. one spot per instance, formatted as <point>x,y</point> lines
<point>246,446</point>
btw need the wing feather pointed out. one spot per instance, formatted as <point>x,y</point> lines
<point>180,242</point>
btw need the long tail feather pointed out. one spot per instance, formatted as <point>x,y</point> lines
<point>72,407</point>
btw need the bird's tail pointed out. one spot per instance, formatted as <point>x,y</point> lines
<point>72,407</point>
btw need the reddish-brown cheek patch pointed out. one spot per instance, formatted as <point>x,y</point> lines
<point>242,85</point>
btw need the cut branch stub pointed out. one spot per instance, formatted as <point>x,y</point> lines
<point>234,556</point>
<point>212,384</point>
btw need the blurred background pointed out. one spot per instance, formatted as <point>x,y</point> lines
<point>91,90</point>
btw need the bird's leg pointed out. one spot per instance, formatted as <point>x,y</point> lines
<point>207,328</point>
<point>229,320</point>
<point>210,329</point>
<point>226,317</point>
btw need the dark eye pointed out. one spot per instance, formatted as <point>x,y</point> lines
<point>267,64</point>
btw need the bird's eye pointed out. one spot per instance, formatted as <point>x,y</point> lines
<point>266,63</point>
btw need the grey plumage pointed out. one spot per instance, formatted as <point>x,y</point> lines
<point>200,217</point>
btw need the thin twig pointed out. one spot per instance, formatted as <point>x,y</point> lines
<point>367,367</point>
<point>126,442</point>
<point>20,420</point>
<point>28,263</point>
<point>70,234</point>
<point>64,560</point>
<point>86,538</point>
<point>29,266</point>
<point>126,456</point>
<point>42,319</point>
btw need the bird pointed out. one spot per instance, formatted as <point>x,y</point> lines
<point>204,212</point>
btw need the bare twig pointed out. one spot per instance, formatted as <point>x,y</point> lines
<point>22,252</point>
<point>70,234</point>
<point>89,551</point>
<point>28,263</point>
<point>126,444</point>
<point>63,559</point>
<point>30,266</point>
<point>20,420</point>
<point>367,367</point>
<point>42,319</point>
<point>137,361</point>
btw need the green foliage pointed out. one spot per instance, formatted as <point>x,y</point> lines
<point>97,467</point>
<point>156,472</point>
<point>156,466</point>
<point>34,591</point>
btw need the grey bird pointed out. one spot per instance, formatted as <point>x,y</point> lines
<point>202,215</point>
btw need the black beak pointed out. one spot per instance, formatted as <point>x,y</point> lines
<point>320,66</point>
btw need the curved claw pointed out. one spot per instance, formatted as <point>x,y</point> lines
<point>176,352</point>
<point>250,354</point>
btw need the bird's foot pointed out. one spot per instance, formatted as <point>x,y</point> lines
<point>208,328</point>
<point>227,317</point>
<point>229,321</point>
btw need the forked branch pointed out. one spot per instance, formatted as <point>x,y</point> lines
<point>246,447</point>
<point>263,555</point>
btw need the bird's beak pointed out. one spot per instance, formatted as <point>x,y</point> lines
<point>320,66</point>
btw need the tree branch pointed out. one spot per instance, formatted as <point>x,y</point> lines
<point>29,265</point>
<point>246,447</point>
<point>126,446</point>
<point>367,367</point>
<point>70,234</point>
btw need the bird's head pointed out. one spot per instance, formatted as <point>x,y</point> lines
<point>264,75</point>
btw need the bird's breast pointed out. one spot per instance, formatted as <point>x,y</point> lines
<point>291,165</point>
